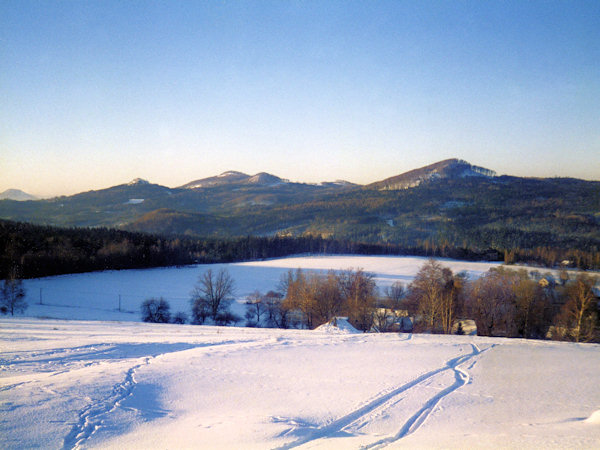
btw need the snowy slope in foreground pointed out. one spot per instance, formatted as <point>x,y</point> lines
<point>95,296</point>
<point>69,384</point>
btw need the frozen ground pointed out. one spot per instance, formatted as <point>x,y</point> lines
<point>77,384</point>
<point>95,296</point>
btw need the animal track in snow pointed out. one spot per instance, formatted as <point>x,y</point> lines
<point>90,416</point>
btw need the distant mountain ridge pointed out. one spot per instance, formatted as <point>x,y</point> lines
<point>451,202</point>
<point>449,168</point>
<point>233,177</point>
<point>17,195</point>
<point>453,168</point>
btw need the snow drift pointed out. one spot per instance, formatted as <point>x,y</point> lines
<point>337,325</point>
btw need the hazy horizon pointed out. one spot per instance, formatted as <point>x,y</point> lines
<point>97,93</point>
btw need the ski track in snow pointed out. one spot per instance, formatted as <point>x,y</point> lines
<point>462,378</point>
<point>366,413</point>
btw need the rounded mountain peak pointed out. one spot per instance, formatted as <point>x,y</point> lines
<point>264,178</point>
<point>137,181</point>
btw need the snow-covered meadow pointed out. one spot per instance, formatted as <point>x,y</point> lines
<point>96,295</point>
<point>126,384</point>
<point>78,384</point>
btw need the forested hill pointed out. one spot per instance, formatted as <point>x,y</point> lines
<point>442,208</point>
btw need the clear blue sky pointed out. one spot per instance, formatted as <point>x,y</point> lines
<point>95,93</point>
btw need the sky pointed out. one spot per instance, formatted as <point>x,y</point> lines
<point>96,93</point>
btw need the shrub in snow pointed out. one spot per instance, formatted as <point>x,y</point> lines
<point>200,311</point>
<point>156,310</point>
<point>180,318</point>
<point>227,318</point>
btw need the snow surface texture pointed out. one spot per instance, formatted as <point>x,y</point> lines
<point>117,295</point>
<point>76,384</point>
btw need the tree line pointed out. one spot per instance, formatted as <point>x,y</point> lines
<point>302,300</point>
<point>505,302</point>
<point>38,251</point>
<point>502,302</point>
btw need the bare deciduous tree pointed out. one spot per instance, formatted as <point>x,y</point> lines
<point>302,295</point>
<point>434,293</point>
<point>12,294</point>
<point>320,297</point>
<point>359,293</point>
<point>491,302</point>
<point>277,313</point>
<point>382,319</point>
<point>212,295</point>
<point>532,308</point>
<point>255,308</point>
<point>329,302</point>
<point>394,295</point>
<point>578,316</point>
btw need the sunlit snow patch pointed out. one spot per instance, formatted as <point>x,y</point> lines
<point>594,418</point>
<point>135,201</point>
<point>337,325</point>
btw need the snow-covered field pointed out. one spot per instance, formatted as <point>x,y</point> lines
<point>95,296</point>
<point>126,384</point>
<point>77,384</point>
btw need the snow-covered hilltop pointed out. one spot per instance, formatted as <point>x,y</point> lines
<point>138,182</point>
<point>17,195</point>
<point>233,177</point>
<point>450,168</point>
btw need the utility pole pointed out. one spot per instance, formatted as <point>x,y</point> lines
<point>41,296</point>
<point>119,302</point>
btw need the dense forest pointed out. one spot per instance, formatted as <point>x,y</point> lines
<point>37,251</point>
